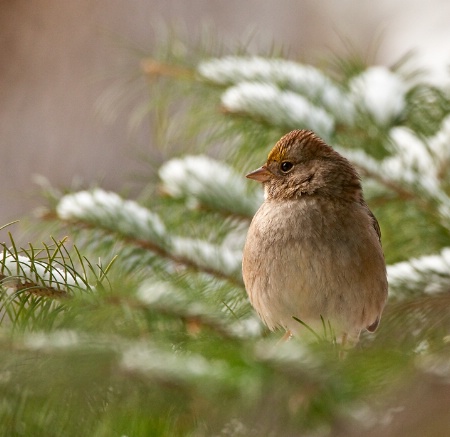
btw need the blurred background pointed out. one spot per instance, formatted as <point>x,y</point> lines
<point>58,59</point>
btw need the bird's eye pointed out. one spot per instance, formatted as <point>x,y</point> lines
<point>286,166</point>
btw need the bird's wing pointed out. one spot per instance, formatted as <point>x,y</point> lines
<point>374,220</point>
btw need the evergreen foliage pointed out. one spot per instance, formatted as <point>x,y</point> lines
<point>158,337</point>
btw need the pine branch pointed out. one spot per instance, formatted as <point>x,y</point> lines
<point>304,80</point>
<point>379,93</point>
<point>154,68</point>
<point>168,271</point>
<point>203,181</point>
<point>279,108</point>
<point>191,305</point>
<point>414,169</point>
<point>425,275</point>
<point>138,226</point>
<point>40,272</point>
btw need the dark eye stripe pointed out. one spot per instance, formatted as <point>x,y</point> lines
<point>286,166</point>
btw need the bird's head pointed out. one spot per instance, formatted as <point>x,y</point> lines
<point>300,164</point>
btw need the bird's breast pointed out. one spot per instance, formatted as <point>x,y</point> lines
<point>310,256</point>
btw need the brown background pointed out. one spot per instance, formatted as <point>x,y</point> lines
<point>57,57</point>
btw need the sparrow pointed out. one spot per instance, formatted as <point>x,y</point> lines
<point>313,249</point>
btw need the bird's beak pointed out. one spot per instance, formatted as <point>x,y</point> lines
<point>262,174</point>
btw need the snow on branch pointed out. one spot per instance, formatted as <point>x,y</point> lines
<point>410,167</point>
<point>412,161</point>
<point>192,304</point>
<point>39,277</point>
<point>439,146</point>
<point>428,274</point>
<point>110,211</point>
<point>380,93</point>
<point>277,107</point>
<point>165,365</point>
<point>305,80</point>
<point>293,95</point>
<point>415,165</point>
<point>182,302</point>
<point>201,180</point>
<point>209,256</point>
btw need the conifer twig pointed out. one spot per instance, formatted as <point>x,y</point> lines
<point>152,67</point>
